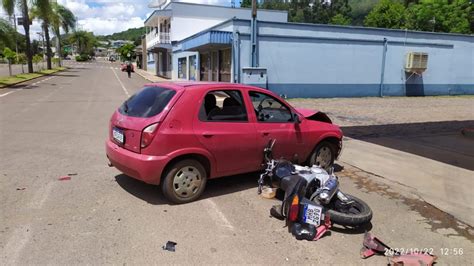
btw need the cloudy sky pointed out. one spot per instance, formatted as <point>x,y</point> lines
<point>109,16</point>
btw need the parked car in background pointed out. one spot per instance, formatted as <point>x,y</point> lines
<point>181,134</point>
<point>111,58</point>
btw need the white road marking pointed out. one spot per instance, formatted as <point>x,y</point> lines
<point>41,196</point>
<point>217,214</point>
<point>10,92</point>
<point>15,245</point>
<point>121,84</point>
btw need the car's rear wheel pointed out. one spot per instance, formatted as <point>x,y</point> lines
<point>323,155</point>
<point>184,181</point>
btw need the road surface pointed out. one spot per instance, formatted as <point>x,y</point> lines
<point>57,125</point>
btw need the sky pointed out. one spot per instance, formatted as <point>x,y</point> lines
<point>104,17</point>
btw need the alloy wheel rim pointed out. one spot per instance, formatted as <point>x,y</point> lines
<point>323,158</point>
<point>187,181</point>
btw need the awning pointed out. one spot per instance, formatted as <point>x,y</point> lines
<point>207,40</point>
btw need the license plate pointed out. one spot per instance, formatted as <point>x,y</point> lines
<point>117,134</point>
<point>312,214</point>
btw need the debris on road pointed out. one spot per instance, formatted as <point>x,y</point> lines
<point>64,177</point>
<point>371,245</point>
<point>72,174</point>
<point>20,188</point>
<point>170,246</point>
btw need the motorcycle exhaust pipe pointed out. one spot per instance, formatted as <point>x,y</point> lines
<point>327,192</point>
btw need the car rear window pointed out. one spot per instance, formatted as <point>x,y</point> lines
<point>148,102</point>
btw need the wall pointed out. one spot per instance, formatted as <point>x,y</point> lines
<point>305,60</point>
<point>188,18</point>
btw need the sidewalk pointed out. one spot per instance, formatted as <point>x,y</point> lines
<point>444,186</point>
<point>150,77</point>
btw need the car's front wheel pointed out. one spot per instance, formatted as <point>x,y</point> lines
<point>323,155</point>
<point>184,181</point>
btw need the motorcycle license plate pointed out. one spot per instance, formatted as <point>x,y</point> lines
<point>312,214</point>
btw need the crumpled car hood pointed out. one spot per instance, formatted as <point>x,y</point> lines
<point>314,115</point>
<point>306,112</point>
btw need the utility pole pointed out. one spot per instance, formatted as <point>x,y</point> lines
<point>16,41</point>
<point>41,35</point>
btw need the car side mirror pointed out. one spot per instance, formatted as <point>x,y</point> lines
<point>296,118</point>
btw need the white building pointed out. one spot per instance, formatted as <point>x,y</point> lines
<point>175,21</point>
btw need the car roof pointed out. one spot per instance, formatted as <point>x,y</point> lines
<point>196,85</point>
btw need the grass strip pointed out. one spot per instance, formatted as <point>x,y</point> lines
<point>12,80</point>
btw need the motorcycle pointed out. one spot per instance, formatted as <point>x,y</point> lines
<point>312,195</point>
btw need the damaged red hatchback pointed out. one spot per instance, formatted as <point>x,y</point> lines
<point>180,134</point>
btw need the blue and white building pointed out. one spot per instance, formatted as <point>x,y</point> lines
<point>310,60</point>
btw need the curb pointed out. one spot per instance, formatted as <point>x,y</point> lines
<point>468,132</point>
<point>43,75</point>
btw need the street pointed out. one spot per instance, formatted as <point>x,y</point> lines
<point>56,126</point>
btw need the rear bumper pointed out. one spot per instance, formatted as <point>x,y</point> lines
<point>143,167</point>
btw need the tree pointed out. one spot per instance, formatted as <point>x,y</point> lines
<point>10,56</point>
<point>127,51</point>
<point>453,16</point>
<point>246,3</point>
<point>61,18</point>
<point>42,10</point>
<point>340,19</point>
<point>84,40</point>
<point>386,14</point>
<point>9,7</point>
<point>6,34</point>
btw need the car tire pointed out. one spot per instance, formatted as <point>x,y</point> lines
<point>184,181</point>
<point>326,151</point>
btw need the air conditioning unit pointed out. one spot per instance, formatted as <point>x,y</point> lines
<point>416,62</point>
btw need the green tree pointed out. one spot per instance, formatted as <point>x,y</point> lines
<point>84,40</point>
<point>340,19</point>
<point>246,3</point>
<point>127,51</point>
<point>453,16</point>
<point>386,14</point>
<point>7,34</point>
<point>61,18</point>
<point>10,56</point>
<point>9,7</point>
<point>21,59</point>
<point>42,10</point>
<point>323,12</point>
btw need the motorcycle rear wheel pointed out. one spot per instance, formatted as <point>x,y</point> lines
<point>357,214</point>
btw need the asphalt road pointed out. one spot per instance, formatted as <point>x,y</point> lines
<point>56,125</point>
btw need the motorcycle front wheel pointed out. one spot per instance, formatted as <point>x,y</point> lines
<point>356,213</point>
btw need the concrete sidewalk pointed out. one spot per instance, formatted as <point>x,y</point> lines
<point>442,185</point>
<point>150,77</point>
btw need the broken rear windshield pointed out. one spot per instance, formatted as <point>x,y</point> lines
<point>148,102</point>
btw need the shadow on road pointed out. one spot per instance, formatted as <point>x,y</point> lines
<point>215,187</point>
<point>440,141</point>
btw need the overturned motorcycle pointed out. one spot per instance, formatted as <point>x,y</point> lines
<point>312,198</point>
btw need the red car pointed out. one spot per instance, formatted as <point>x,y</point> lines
<point>181,134</point>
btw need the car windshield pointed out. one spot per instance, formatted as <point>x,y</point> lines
<point>148,102</point>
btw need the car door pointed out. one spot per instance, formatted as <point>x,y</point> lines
<point>274,120</point>
<point>222,126</point>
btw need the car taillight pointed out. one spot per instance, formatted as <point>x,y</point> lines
<point>148,134</point>
<point>294,209</point>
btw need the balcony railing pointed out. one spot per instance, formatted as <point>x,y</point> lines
<point>154,38</point>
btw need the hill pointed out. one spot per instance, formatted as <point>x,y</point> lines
<point>133,34</point>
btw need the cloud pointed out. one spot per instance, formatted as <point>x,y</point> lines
<point>101,26</point>
<point>104,17</point>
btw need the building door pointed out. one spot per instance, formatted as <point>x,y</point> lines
<point>204,66</point>
<point>224,65</point>
<point>215,66</point>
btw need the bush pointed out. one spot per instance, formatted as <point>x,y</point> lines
<point>82,57</point>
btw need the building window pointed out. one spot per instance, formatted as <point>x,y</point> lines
<point>182,68</point>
